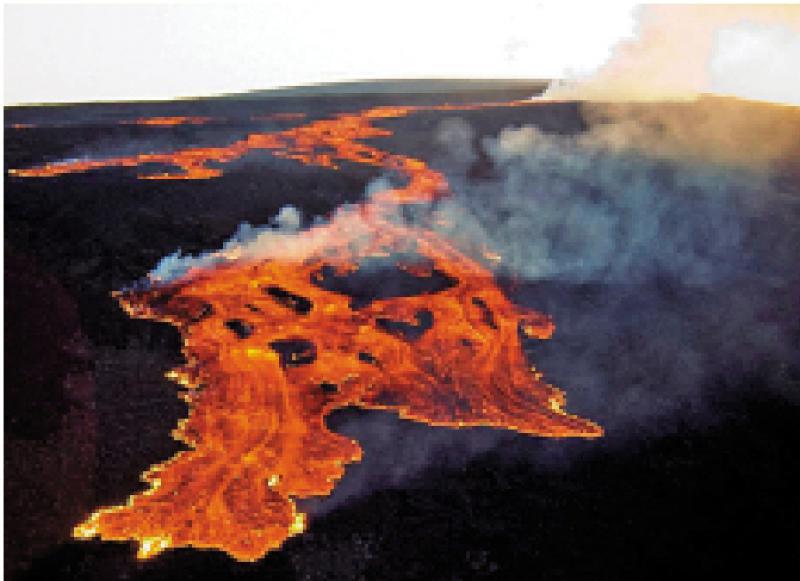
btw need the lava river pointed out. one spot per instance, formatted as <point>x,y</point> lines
<point>274,341</point>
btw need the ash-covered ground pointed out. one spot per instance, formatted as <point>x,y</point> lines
<point>662,238</point>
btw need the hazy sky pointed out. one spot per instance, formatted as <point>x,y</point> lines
<point>63,53</point>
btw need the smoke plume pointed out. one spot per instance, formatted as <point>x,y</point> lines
<point>663,240</point>
<point>679,52</point>
<point>666,255</point>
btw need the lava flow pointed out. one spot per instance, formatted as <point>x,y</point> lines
<point>318,143</point>
<point>168,121</point>
<point>275,342</point>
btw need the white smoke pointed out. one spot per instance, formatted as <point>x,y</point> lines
<point>662,239</point>
<point>278,240</point>
<point>757,62</point>
<point>681,51</point>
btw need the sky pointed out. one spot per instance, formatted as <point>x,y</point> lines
<point>95,52</point>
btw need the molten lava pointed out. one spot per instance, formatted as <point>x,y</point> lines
<point>169,121</point>
<point>276,343</point>
<point>318,143</point>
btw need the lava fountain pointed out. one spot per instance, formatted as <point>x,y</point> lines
<point>274,343</point>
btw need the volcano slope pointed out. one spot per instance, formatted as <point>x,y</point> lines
<point>690,367</point>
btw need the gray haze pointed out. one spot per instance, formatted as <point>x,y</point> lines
<point>671,275</point>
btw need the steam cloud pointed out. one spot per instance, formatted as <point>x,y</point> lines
<point>664,242</point>
<point>679,52</point>
<point>667,271</point>
<point>277,240</point>
<point>670,272</point>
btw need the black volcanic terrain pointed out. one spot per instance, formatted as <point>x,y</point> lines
<point>669,269</point>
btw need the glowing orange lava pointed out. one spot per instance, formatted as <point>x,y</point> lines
<point>169,121</point>
<point>273,345</point>
<point>318,143</point>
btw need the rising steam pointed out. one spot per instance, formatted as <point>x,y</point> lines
<point>680,52</point>
<point>663,238</point>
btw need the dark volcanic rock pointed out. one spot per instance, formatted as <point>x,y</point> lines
<point>87,408</point>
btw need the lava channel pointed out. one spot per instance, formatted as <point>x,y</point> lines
<point>275,344</point>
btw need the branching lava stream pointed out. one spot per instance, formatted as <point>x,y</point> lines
<point>274,343</point>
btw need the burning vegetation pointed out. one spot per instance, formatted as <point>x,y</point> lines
<point>273,344</point>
